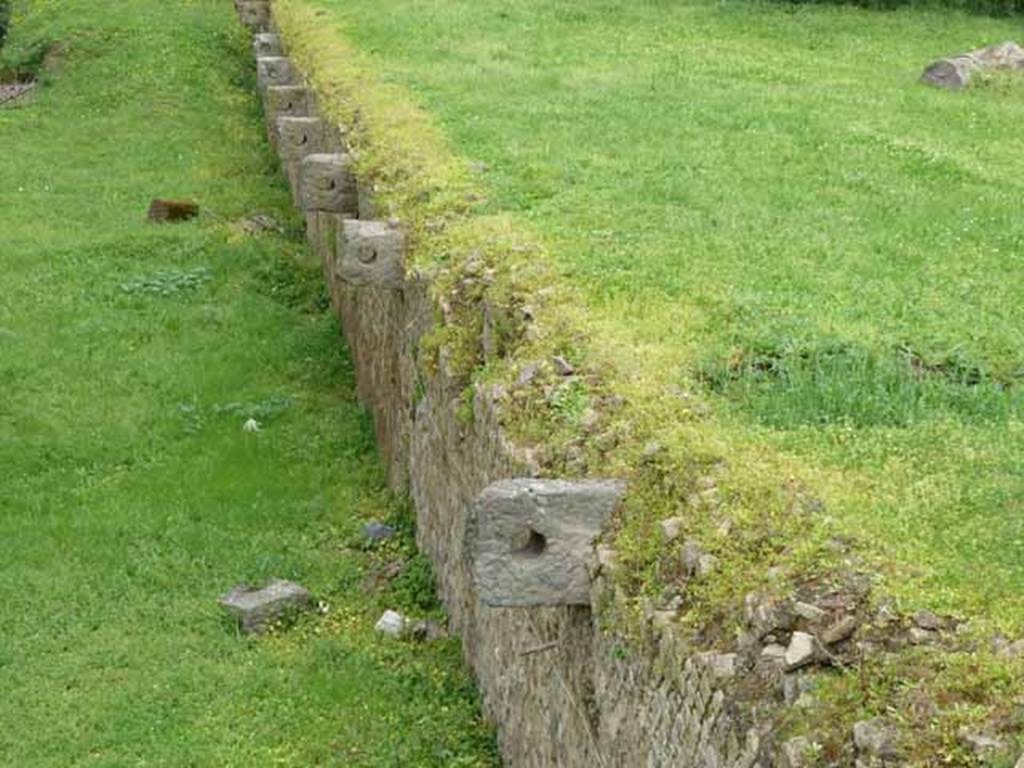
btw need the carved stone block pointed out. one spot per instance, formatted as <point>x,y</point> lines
<point>288,101</point>
<point>326,183</point>
<point>254,14</point>
<point>274,70</point>
<point>532,539</point>
<point>298,137</point>
<point>370,253</point>
<point>267,44</point>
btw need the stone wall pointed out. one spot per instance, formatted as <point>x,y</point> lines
<point>561,690</point>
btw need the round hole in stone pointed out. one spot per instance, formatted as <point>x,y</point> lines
<point>368,255</point>
<point>534,547</point>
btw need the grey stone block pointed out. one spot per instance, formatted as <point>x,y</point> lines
<point>254,609</point>
<point>371,253</point>
<point>287,101</point>
<point>298,137</point>
<point>532,539</point>
<point>267,44</point>
<point>274,70</point>
<point>326,183</point>
<point>255,14</point>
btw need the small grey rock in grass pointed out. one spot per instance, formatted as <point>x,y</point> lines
<point>979,743</point>
<point>927,620</point>
<point>802,650</point>
<point>840,631</point>
<point>392,624</point>
<point>427,631</point>
<point>774,654</point>
<point>376,532</point>
<point>875,738</point>
<point>808,611</point>
<point>920,636</point>
<point>254,609</point>
<point>690,557</point>
<point>671,527</point>
<point>562,366</point>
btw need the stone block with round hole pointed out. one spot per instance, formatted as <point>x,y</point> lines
<point>370,253</point>
<point>288,101</point>
<point>267,44</point>
<point>326,183</point>
<point>254,14</point>
<point>274,70</point>
<point>298,137</point>
<point>532,539</point>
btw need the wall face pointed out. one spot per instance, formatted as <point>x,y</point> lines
<point>561,691</point>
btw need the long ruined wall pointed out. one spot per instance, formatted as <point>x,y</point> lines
<point>563,689</point>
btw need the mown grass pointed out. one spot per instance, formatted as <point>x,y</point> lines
<point>130,495</point>
<point>765,211</point>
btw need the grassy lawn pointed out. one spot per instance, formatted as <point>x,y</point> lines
<point>763,207</point>
<point>130,495</point>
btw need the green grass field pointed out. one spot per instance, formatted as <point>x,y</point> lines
<point>130,495</point>
<point>762,206</point>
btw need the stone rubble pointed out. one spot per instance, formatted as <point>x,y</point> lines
<point>256,609</point>
<point>392,624</point>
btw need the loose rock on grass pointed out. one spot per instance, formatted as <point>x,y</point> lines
<point>256,609</point>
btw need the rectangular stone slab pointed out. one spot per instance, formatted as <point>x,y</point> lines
<point>532,539</point>
<point>274,70</point>
<point>256,608</point>
<point>298,137</point>
<point>267,44</point>
<point>371,253</point>
<point>254,14</point>
<point>287,101</point>
<point>326,183</point>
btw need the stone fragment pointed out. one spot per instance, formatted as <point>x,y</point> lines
<point>706,565</point>
<point>795,688</point>
<point>298,137</point>
<point>326,183</point>
<point>956,72</point>
<point>267,44</point>
<point>671,527</point>
<point>802,650</point>
<point>254,609</point>
<point>690,557</point>
<point>606,558</point>
<point>370,253</point>
<point>766,615</point>
<point>392,624</point>
<point>920,636</point>
<point>287,101</point>
<point>1013,650</point>
<point>531,539</point>
<point>840,631</point>
<point>376,532</point>
<point>1020,763</point>
<point>808,611</point>
<point>273,70</point>
<point>795,753</point>
<point>562,366</point>
<point>980,744</point>
<point>875,738</point>
<point>427,631</point>
<point>774,654</point>
<point>927,620</point>
<point>722,665</point>
<point>162,210</point>
<point>254,14</point>
<point>527,375</point>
